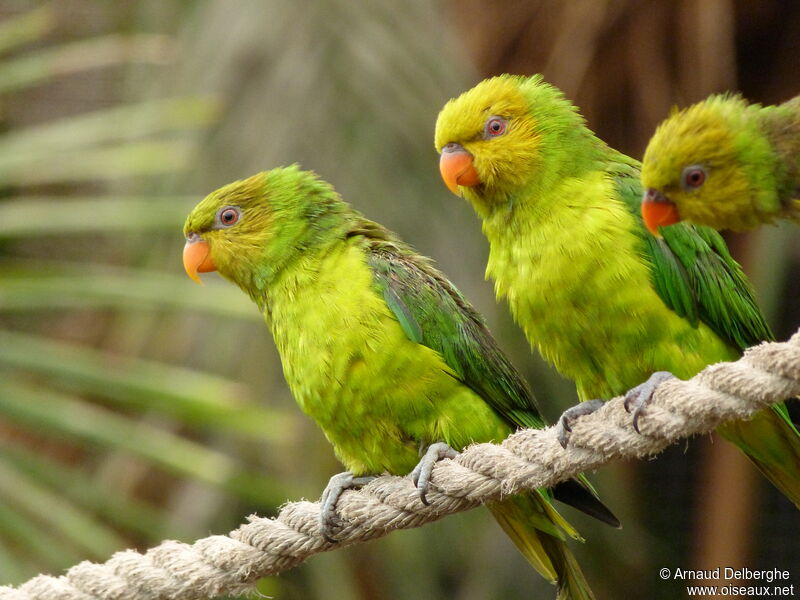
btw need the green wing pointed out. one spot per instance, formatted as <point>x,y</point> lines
<point>432,312</point>
<point>695,275</point>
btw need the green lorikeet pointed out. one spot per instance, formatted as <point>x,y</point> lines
<point>724,163</point>
<point>604,301</point>
<point>377,346</point>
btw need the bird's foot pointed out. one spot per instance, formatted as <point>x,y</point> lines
<point>421,475</point>
<point>564,425</point>
<point>637,399</point>
<point>336,485</point>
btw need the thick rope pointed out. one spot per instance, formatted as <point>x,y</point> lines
<point>217,565</point>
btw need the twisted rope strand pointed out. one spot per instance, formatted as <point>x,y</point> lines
<point>217,565</point>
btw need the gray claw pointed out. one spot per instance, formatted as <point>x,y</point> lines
<point>637,399</point>
<point>421,475</point>
<point>564,426</point>
<point>337,484</point>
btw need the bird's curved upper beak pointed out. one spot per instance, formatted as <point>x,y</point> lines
<point>658,211</point>
<point>457,168</point>
<point>197,257</point>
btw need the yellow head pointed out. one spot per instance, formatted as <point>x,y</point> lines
<point>708,164</point>
<point>250,230</point>
<point>493,139</point>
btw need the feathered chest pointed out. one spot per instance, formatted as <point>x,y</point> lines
<point>326,317</point>
<point>579,251</point>
<point>575,279</point>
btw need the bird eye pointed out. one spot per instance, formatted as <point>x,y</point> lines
<point>494,126</point>
<point>229,216</point>
<point>693,177</point>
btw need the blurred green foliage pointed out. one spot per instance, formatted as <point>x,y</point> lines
<point>86,424</point>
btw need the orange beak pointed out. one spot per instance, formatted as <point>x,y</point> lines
<point>197,257</point>
<point>658,211</point>
<point>456,167</point>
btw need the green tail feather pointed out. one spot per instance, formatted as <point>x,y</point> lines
<point>772,443</point>
<point>528,520</point>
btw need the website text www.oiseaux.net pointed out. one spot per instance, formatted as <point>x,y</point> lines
<point>748,583</point>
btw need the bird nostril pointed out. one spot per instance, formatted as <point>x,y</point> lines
<point>451,147</point>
